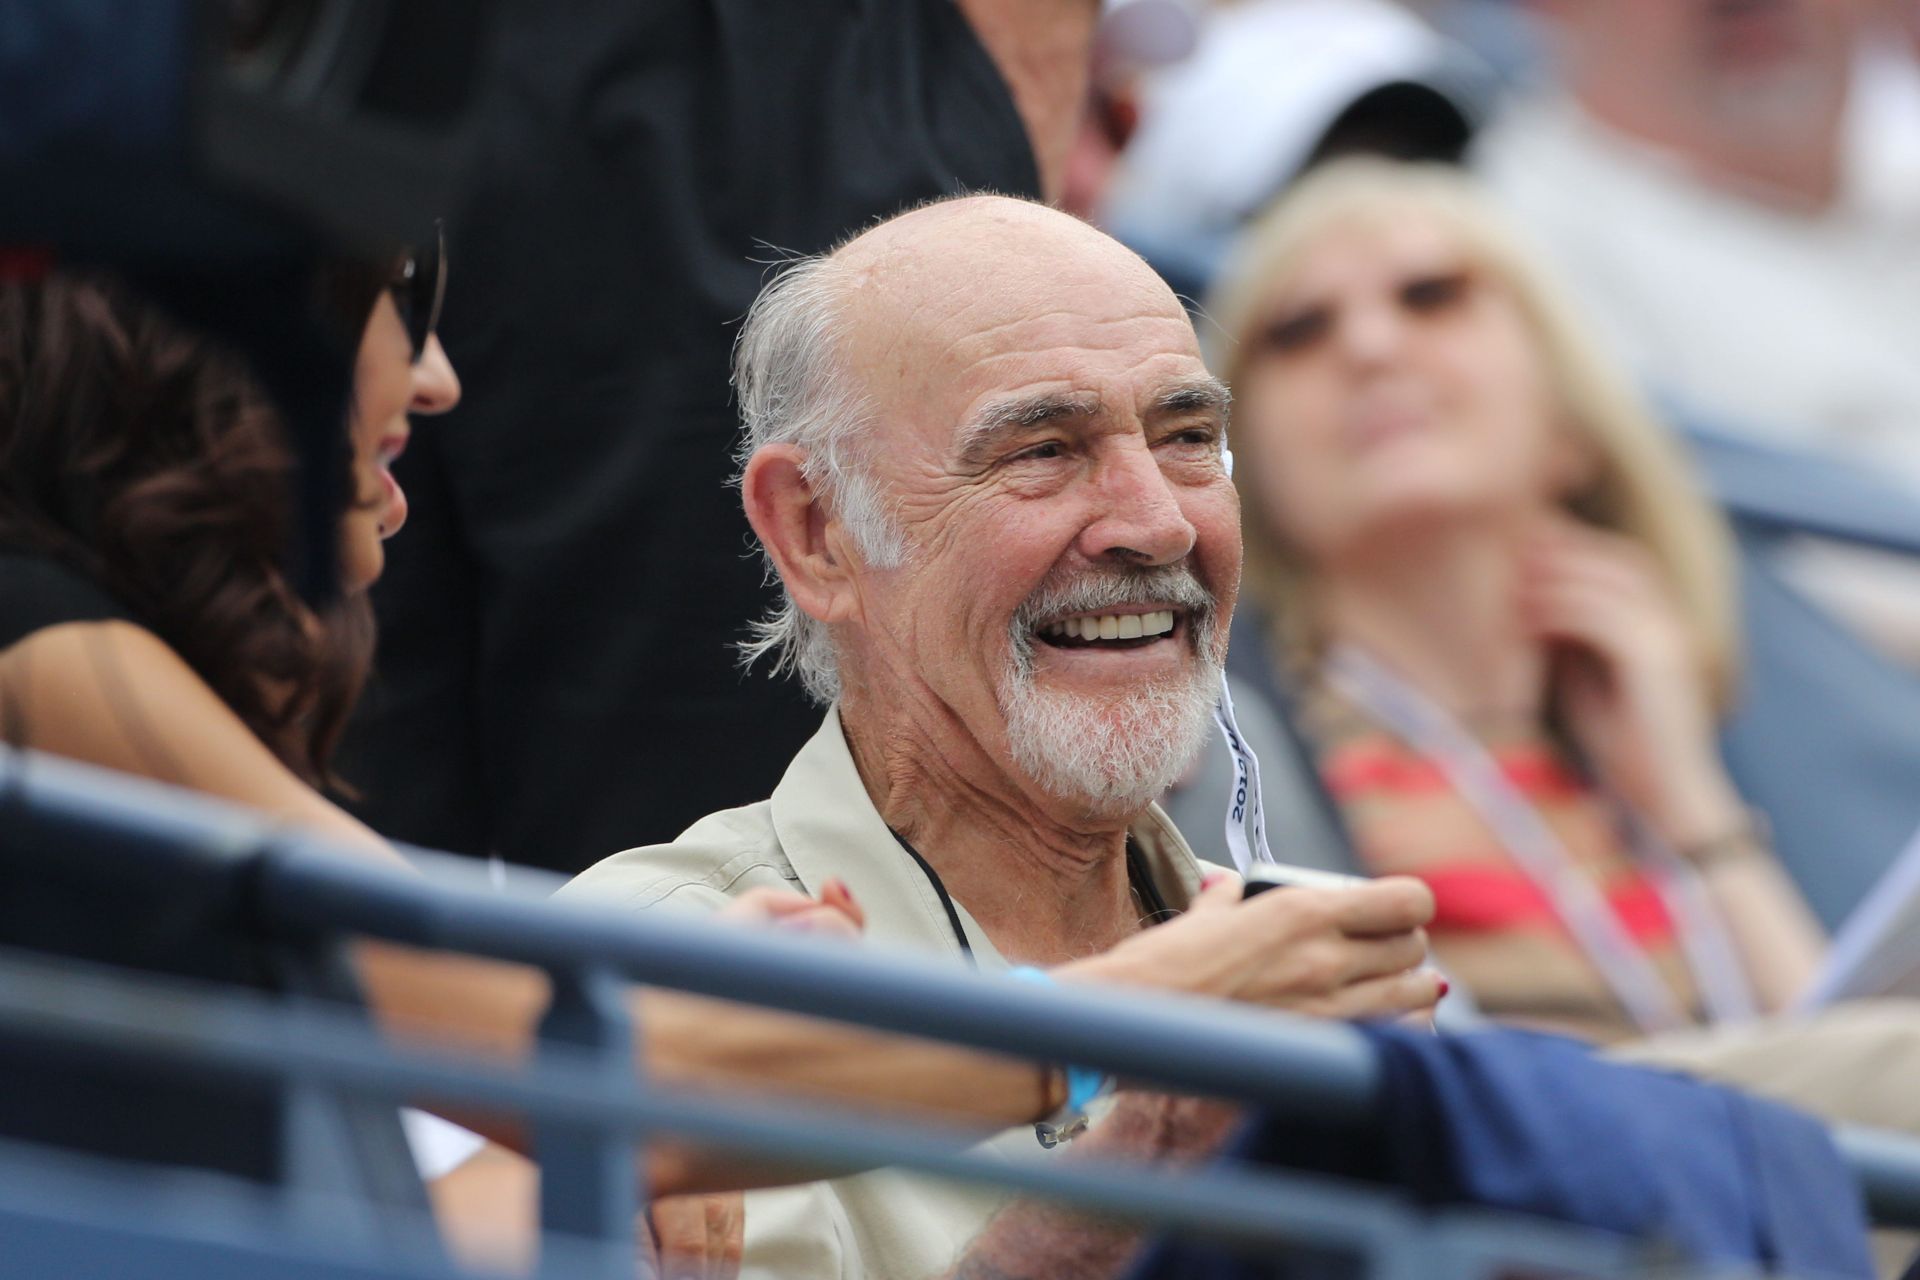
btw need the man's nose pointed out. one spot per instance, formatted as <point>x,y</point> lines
<point>436,387</point>
<point>1139,518</point>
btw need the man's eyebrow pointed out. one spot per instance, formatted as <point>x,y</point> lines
<point>1196,395</point>
<point>1000,418</point>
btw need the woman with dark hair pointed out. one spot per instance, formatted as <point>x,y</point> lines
<point>144,476</point>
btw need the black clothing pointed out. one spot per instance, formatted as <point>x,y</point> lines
<point>557,678</point>
<point>184,912</point>
<point>37,593</point>
<point>65,906</point>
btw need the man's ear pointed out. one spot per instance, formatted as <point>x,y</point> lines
<point>799,534</point>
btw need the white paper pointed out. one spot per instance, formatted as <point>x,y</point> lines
<point>1877,951</point>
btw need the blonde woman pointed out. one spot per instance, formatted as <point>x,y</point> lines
<point>1506,619</point>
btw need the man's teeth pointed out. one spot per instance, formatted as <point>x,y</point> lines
<point>1111,626</point>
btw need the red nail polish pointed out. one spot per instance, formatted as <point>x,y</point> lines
<point>1445,987</point>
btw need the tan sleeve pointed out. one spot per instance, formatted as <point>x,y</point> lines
<point>715,860</point>
<point>799,1233</point>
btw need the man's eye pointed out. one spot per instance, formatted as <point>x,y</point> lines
<point>1195,435</point>
<point>1040,452</point>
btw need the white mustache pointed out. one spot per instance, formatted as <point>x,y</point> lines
<point>1097,590</point>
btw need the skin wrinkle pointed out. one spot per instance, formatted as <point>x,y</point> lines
<point>989,424</point>
<point>1080,323</point>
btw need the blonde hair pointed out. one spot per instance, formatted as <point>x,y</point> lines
<point>1641,485</point>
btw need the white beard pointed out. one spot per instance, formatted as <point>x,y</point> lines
<point>1115,756</point>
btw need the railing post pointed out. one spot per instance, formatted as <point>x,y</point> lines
<point>589,1181</point>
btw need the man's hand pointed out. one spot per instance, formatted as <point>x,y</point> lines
<point>1349,952</point>
<point>834,913</point>
<point>694,1237</point>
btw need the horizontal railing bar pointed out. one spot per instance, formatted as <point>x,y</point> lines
<point>1886,1167</point>
<point>166,1021</point>
<point>1296,1066</point>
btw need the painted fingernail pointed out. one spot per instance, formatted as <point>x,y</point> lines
<point>1445,987</point>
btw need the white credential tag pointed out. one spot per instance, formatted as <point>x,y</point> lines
<point>1244,811</point>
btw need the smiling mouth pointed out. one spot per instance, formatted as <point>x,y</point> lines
<point>1110,630</point>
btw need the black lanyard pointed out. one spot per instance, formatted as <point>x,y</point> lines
<point>1137,875</point>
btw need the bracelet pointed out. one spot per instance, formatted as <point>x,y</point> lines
<point>1085,1085</point>
<point>1753,834</point>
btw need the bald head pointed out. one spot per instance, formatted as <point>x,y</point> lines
<point>959,272</point>
<point>926,346</point>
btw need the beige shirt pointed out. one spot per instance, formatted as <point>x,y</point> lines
<point>887,1224</point>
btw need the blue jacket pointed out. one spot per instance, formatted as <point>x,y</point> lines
<point>1538,1125</point>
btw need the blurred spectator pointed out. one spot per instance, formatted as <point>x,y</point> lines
<point>1507,619</point>
<point>1272,86</point>
<point>1732,198</point>
<point>558,674</point>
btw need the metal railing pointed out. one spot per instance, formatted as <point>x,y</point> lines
<point>588,1107</point>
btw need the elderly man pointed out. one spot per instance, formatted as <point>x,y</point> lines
<point>985,459</point>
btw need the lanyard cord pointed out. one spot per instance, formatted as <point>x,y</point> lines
<point>1137,876</point>
<point>946,899</point>
<point>1479,780</point>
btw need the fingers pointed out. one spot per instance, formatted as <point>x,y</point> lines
<point>825,921</point>
<point>726,1234</point>
<point>1363,959</point>
<point>834,913</point>
<point>1395,995</point>
<point>759,906</point>
<point>1218,889</point>
<point>1392,904</point>
<point>698,1236</point>
<point>834,893</point>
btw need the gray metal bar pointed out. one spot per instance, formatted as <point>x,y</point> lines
<point>1292,1065</point>
<point>588,1184</point>
<point>1297,1065</point>
<point>1889,1177</point>
<point>166,1022</point>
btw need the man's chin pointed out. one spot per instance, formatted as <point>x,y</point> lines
<point>1109,756</point>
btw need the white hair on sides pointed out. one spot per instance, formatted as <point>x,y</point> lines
<point>1115,755</point>
<point>793,390</point>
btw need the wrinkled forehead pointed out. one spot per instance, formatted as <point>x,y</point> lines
<point>985,307</point>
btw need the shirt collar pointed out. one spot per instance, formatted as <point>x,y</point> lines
<point>827,826</point>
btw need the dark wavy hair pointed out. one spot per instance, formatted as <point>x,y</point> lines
<point>148,459</point>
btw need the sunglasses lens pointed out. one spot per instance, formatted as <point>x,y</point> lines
<point>423,309</point>
<point>418,289</point>
<point>434,284</point>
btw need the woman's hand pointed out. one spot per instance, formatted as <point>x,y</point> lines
<point>834,913</point>
<point>694,1237</point>
<point>1349,952</point>
<point>1630,678</point>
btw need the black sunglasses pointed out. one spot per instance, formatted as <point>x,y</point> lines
<point>419,287</point>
